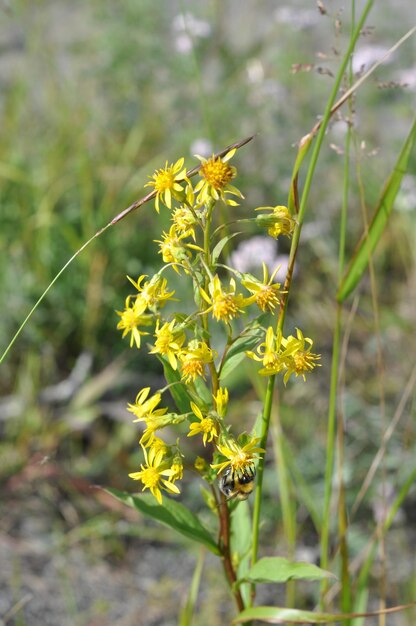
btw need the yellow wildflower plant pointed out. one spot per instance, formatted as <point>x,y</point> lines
<point>297,356</point>
<point>278,221</point>
<point>206,425</point>
<point>153,474</point>
<point>169,341</point>
<point>193,242</point>
<point>224,305</point>
<point>216,176</point>
<point>266,293</point>
<point>153,292</point>
<point>168,183</point>
<point>239,458</point>
<point>194,358</point>
<point>131,318</point>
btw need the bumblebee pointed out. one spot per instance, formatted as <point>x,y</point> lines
<point>237,484</point>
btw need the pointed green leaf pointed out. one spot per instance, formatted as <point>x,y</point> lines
<point>170,513</point>
<point>303,150</point>
<point>203,392</point>
<point>178,389</point>
<point>220,246</point>
<point>368,241</point>
<point>276,569</point>
<point>237,351</point>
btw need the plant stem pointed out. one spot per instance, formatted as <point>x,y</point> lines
<point>224,544</point>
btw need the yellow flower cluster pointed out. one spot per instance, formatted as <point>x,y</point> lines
<point>184,341</point>
<point>291,355</point>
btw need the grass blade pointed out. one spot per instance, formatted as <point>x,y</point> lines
<point>370,239</point>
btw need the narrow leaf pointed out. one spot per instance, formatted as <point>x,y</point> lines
<point>369,240</point>
<point>279,570</point>
<point>170,513</point>
<point>303,150</point>
<point>220,246</point>
<point>178,389</point>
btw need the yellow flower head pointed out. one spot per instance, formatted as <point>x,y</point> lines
<point>185,221</point>
<point>155,422</point>
<point>266,293</point>
<point>221,401</point>
<point>206,425</point>
<point>131,318</point>
<point>158,445</point>
<point>298,358</point>
<point>194,358</point>
<point>239,458</point>
<point>144,408</point>
<point>278,221</point>
<point>225,305</point>
<point>200,464</point>
<point>152,472</point>
<point>268,353</point>
<point>172,248</point>
<point>153,292</point>
<point>167,183</point>
<point>169,341</point>
<point>216,176</point>
<point>177,467</point>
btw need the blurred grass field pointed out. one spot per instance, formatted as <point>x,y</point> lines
<point>95,96</point>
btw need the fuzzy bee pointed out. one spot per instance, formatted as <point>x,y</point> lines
<point>237,484</point>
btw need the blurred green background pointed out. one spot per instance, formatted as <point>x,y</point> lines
<point>94,97</point>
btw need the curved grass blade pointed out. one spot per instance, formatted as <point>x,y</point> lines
<point>170,513</point>
<point>370,239</point>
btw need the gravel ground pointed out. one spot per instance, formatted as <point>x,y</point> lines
<point>45,582</point>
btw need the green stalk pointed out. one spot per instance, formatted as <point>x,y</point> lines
<point>293,251</point>
<point>308,182</point>
<point>346,591</point>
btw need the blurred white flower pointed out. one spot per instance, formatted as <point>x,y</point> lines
<point>408,77</point>
<point>296,17</point>
<point>406,198</point>
<point>366,56</point>
<point>187,28</point>
<point>251,253</point>
<point>255,71</point>
<point>202,146</point>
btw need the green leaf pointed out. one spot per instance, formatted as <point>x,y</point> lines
<point>237,351</point>
<point>369,240</point>
<point>280,615</point>
<point>178,389</point>
<point>303,150</point>
<point>203,392</point>
<point>220,246</point>
<point>170,513</point>
<point>276,569</point>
